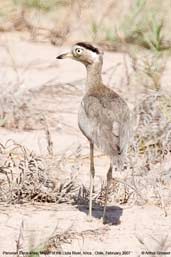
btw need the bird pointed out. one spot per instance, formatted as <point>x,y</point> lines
<point>103,117</point>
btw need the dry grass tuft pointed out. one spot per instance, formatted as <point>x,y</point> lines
<point>150,152</point>
<point>24,178</point>
<point>59,239</point>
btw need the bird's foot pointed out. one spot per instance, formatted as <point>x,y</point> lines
<point>104,220</point>
<point>89,218</point>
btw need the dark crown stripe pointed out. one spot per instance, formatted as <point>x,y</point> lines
<point>89,47</point>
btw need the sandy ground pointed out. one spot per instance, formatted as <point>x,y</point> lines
<point>135,228</point>
<point>134,224</point>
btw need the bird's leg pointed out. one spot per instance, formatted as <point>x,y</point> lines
<point>109,179</point>
<point>92,173</point>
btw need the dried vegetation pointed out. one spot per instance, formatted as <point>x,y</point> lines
<point>143,23</point>
<point>24,177</point>
<point>146,178</point>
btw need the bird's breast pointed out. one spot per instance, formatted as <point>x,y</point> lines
<point>85,124</point>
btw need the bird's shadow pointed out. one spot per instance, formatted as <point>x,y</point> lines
<point>113,213</point>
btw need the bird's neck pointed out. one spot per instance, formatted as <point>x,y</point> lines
<point>94,78</point>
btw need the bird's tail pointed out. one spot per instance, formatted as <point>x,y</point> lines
<point>125,137</point>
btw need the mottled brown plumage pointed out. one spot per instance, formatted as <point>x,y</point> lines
<point>100,108</point>
<point>103,116</point>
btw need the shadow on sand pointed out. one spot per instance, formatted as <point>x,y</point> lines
<point>113,213</point>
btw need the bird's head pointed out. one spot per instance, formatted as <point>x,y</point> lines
<point>84,53</point>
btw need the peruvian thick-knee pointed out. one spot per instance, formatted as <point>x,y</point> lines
<point>103,115</point>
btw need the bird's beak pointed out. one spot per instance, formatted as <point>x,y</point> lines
<point>65,55</point>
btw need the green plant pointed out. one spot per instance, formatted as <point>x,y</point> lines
<point>154,37</point>
<point>143,26</point>
<point>110,35</point>
<point>44,5</point>
<point>134,23</point>
<point>94,29</point>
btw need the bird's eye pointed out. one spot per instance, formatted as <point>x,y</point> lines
<point>78,51</point>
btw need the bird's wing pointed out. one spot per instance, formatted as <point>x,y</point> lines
<point>107,115</point>
<point>103,110</point>
<point>102,119</point>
